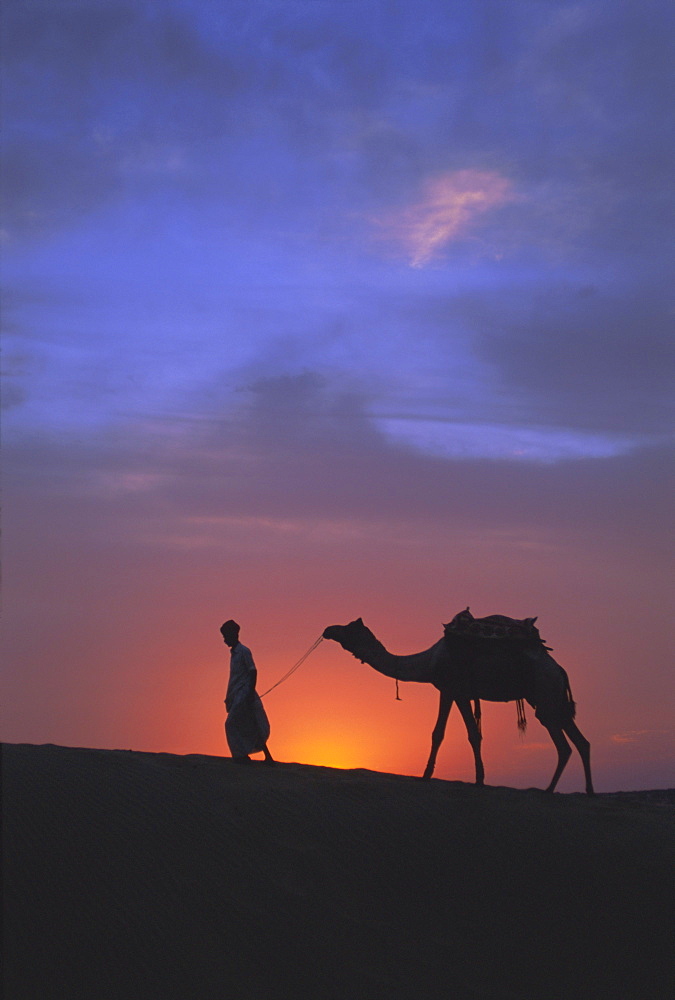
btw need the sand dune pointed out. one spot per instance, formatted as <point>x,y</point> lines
<point>139,876</point>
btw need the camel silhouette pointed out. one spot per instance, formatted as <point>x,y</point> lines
<point>467,668</point>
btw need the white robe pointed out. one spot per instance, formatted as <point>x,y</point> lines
<point>247,728</point>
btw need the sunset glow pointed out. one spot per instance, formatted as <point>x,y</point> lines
<point>326,310</point>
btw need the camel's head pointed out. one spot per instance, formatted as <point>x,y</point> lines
<point>349,636</point>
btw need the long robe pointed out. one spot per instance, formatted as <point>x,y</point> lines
<point>247,727</point>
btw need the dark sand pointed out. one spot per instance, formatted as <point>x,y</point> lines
<point>139,876</point>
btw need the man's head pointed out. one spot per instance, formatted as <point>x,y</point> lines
<point>230,632</point>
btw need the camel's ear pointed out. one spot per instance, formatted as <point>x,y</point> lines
<point>359,621</point>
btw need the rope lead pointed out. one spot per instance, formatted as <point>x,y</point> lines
<point>295,666</point>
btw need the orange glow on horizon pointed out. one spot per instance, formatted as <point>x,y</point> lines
<point>327,751</point>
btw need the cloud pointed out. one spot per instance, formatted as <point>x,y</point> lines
<point>631,737</point>
<point>303,449</point>
<point>449,205</point>
<point>454,439</point>
<point>649,736</point>
<point>592,358</point>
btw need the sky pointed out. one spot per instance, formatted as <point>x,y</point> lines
<point>325,309</point>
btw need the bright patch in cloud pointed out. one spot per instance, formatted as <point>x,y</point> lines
<point>450,203</point>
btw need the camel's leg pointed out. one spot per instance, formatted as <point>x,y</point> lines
<point>444,706</point>
<point>584,747</point>
<point>564,754</point>
<point>474,738</point>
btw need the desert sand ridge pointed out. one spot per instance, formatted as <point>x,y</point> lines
<point>143,876</point>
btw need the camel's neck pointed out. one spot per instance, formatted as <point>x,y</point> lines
<point>416,667</point>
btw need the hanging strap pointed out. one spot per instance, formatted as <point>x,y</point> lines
<point>520,709</point>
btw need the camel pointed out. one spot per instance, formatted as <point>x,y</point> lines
<point>466,669</point>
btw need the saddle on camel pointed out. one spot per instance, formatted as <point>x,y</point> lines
<point>493,627</point>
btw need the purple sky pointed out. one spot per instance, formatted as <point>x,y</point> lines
<point>301,293</point>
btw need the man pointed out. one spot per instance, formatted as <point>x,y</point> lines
<point>247,728</point>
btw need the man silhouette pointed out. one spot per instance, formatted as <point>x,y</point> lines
<point>247,727</point>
